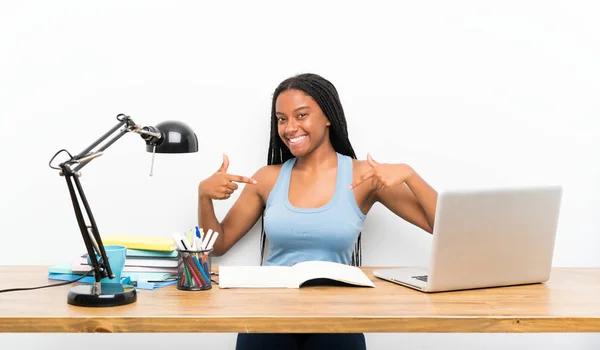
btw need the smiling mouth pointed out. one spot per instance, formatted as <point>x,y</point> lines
<point>296,140</point>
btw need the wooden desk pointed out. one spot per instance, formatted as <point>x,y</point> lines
<point>569,302</point>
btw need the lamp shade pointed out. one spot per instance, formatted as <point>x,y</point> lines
<point>176,137</point>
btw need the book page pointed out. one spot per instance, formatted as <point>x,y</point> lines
<point>308,270</point>
<point>255,277</point>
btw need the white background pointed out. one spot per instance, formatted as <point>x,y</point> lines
<point>469,93</point>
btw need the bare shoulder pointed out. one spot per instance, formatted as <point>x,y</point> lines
<point>266,177</point>
<point>363,194</point>
<point>359,167</point>
<point>267,173</point>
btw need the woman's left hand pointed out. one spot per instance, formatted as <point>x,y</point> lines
<point>384,175</point>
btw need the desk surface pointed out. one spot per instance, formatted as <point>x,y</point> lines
<point>568,302</point>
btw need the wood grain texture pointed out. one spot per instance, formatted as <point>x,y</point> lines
<point>568,302</point>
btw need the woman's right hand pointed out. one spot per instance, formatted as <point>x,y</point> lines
<point>221,185</point>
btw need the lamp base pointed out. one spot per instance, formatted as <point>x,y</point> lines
<point>111,294</point>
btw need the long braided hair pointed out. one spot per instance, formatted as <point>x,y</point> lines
<point>326,96</point>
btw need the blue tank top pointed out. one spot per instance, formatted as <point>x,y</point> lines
<point>326,233</point>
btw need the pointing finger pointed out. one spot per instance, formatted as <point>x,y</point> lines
<point>369,174</point>
<point>238,178</point>
<point>225,164</point>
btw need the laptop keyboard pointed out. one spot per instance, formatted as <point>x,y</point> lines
<point>421,278</point>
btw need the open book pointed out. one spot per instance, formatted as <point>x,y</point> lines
<point>290,276</point>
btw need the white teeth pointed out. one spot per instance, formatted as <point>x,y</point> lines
<point>297,139</point>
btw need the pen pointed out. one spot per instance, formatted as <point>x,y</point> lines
<point>183,244</point>
<point>206,239</point>
<point>177,239</point>
<point>198,245</point>
<point>213,239</point>
<point>195,245</point>
<point>205,265</point>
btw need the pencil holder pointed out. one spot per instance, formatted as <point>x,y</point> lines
<point>193,269</point>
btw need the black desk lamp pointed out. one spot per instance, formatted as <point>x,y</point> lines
<point>166,137</point>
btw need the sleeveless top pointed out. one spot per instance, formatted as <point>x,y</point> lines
<point>326,233</point>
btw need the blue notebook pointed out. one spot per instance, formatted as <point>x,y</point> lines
<point>138,283</point>
<point>140,253</point>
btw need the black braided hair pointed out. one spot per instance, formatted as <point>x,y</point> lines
<point>326,96</point>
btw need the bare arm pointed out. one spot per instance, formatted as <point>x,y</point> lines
<point>244,213</point>
<point>400,189</point>
<point>414,201</point>
<point>207,218</point>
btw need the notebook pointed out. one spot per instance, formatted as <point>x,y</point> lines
<point>291,276</point>
<point>159,243</point>
<point>148,261</point>
<point>81,265</point>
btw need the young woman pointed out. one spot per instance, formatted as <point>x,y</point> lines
<point>313,195</point>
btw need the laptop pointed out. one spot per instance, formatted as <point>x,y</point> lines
<point>487,238</point>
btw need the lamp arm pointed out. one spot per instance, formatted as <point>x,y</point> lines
<point>123,119</point>
<point>91,235</point>
<point>150,134</point>
<point>92,240</point>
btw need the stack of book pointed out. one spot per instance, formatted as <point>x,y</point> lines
<point>149,259</point>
